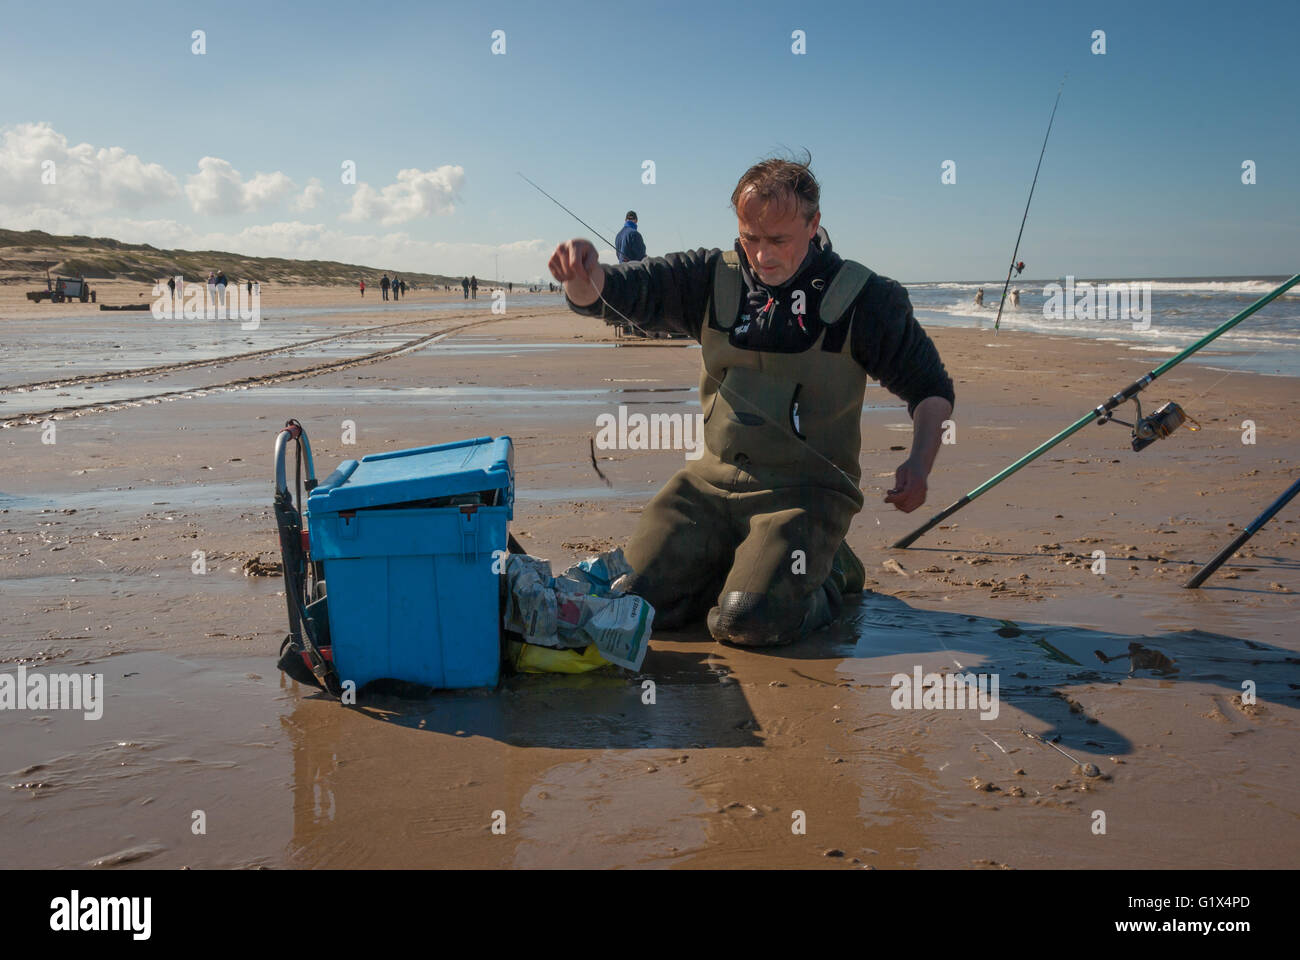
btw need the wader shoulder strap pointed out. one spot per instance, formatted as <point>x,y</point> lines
<point>727,286</point>
<point>848,283</point>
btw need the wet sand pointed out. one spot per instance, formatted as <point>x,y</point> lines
<point>97,532</point>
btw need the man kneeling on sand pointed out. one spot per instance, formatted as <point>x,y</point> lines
<point>750,535</point>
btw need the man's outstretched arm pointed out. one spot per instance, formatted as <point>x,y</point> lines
<point>668,294</point>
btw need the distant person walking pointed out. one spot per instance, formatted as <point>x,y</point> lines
<point>628,243</point>
<point>473,287</point>
<point>979,297</point>
<point>397,288</point>
<point>212,287</point>
<point>362,285</point>
<point>384,283</point>
<point>403,288</point>
<point>464,285</point>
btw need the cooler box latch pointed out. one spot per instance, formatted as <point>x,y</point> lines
<point>469,532</point>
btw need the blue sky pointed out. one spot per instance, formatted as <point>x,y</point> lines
<point>1142,176</point>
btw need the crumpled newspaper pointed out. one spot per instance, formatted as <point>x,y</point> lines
<point>578,607</point>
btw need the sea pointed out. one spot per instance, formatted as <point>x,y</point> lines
<point>1180,312</point>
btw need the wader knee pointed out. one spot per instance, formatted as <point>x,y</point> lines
<point>756,620</point>
<point>671,613</point>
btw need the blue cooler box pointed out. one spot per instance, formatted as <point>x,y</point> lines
<point>412,593</point>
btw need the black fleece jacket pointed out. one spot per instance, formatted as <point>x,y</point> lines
<point>671,294</point>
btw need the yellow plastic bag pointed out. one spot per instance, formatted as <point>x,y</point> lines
<point>532,658</point>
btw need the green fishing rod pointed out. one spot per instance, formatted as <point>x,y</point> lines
<point>1146,430</point>
<point>1016,251</point>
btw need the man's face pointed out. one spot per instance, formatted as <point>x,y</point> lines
<point>774,236</point>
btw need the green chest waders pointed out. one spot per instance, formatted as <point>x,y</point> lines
<point>753,524</point>
<point>787,419</point>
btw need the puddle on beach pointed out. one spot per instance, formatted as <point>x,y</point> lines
<point>162,501</point>
<point>41,352</point>
<point>527,398</point>
<point>528,401</point>
<point>288,777</point>
<point>44,355</point>
<point>175,736</point>
<point>144,499</point>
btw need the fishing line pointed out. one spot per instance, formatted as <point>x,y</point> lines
<point>568,211</point>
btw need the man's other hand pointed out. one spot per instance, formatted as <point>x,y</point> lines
<point>909,487</point>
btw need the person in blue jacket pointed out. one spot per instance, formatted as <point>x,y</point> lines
<point>628,243</point>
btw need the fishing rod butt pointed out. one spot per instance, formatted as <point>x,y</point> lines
<point>929,525</point>
<point>1220,558</point>
<point>1240,539</point>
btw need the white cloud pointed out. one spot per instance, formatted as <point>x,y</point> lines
<point>310,196</point>
<point>86,179</point>
<point>417,193</point>
<point>219,189</point>
<point>98,190</point>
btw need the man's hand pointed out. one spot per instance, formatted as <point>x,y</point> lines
<point>927,432</point>
<point>909,486</point>
<point>576,264</point>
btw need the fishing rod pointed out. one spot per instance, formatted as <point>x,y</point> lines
<point>1002,302</point>
<point>1146,430</point>
<point>568,211</point>
<point>1207,571</point>
<point>633,323</point>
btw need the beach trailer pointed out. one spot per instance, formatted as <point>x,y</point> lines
<point>69,288</point>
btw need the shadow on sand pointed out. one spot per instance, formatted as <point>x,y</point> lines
<point>699,705</point>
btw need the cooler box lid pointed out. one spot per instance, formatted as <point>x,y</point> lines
<point>422,473</point>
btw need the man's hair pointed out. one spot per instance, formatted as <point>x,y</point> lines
<point>776,180</point>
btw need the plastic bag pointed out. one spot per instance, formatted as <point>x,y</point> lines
<point>578,610</point>
<point>531,607</point>
<point>530,658</point>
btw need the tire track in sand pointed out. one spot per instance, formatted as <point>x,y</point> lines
<point>78,379</point>
<point>244,383</point>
